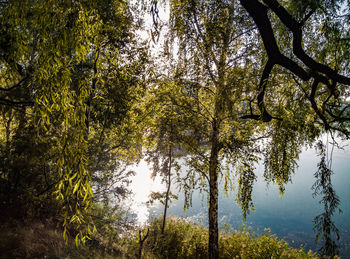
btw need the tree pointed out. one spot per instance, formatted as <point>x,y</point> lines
<point>328,87</point>
<point>324,62</point>
<point>41,43</point>
<point>70,73</point>
<point>71,77</point>
<point>162,135</point>
<point>295,112</point>
<point>209,103</point>
<point>162,160</point>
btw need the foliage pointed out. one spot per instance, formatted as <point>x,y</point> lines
<point>80,101</point>
<point>181,239</point>
<point>28,173</point>
<point>291,91</point>
<point>187,240</point>
<point>70,73</point>
<point>323,223</point>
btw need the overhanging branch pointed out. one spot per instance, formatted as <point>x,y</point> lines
<point>320,73</point>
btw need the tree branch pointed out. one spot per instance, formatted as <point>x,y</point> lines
<point>15,85</point>
<point>4,101</point>
<point>319,72</point>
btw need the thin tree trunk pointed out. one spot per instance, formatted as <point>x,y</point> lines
<point>167,191</point>
<point>141,241</point>
<point>213,248</point>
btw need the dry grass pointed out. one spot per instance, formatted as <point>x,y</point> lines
<point>30,240</point>
<point>45,240</point>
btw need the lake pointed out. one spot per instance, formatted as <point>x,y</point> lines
<point>289,216</point>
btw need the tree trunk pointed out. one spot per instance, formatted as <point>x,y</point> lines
<point>141,241</point>
<point>167,191</point>
<point>213,248</point>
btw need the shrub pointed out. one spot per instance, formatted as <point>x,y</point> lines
<point>189,240</point>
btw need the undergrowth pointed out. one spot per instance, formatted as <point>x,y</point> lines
<point>189,240</point>
<point>181,239</point>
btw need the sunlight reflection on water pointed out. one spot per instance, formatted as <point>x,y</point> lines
<point>142,185</point>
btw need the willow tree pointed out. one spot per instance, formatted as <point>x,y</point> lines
<point>211,93</point>
<point>70,70</point>
<point>309,40</point>
<point>299,93</point>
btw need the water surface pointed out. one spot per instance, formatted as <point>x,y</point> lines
<point>289,216</point>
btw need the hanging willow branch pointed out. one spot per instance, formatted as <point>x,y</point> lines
<point>323,223</point>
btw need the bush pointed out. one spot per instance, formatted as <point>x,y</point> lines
<point>189,240</point>
<point>181,240</point>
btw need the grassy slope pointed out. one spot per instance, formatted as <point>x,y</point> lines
<point>181,240</point>
<point>186,240</point>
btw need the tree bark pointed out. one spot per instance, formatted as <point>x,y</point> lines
<point>213,248</point>
<point>167,191</point>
